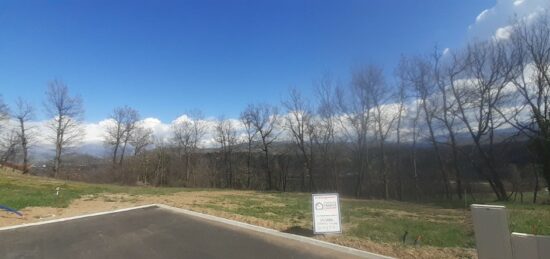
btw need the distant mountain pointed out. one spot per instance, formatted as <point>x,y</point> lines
<point>42,153</point>
<point>464,138</point>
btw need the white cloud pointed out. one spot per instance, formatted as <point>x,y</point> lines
<point>182,118</point>
<point>503,33</point>
<point>482,15</point>
<point>494,22</point>
<point>518,2</point>
<point>446,51</point>
<point>95,132</point>
<point>160,130</point>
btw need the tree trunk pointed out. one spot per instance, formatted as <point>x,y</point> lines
<point>384,171</point>
<point>361,174</point>
<point>268,180</point>
<point>187,168</point>
<point>24,146</point>
<point>115,151</point>
<point>57,160</point>
<point>458,176</point>
<point>536,190</point>
<point>58,147</point>
<point>123,151</point>
<point>438,154</point>
<point>248,160</point>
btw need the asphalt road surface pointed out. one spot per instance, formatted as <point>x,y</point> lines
<point>151,233</point>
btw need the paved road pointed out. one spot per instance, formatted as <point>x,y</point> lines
<point>150,233</point>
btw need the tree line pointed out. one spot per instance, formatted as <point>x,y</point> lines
<point>446,124</point>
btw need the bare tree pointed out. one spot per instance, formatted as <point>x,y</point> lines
<point>187,135</point>
<point>383,117</point>
<point>409,113</point>
<point>4,112</point>
<point>299,122</point>
<point>531,45</point>
<point>24,113</point>
<point>140,139</point>
<point>414,153</point>
<point>161,163</point>
<point>66,112</point>
<point>226,135</point>
<point>478,99</point>
<point>9,145</point>
<point>115,131</point>
<point>121,131</point>
<point>402,99</point>
<point>325,128</point>
<point>420,76</point>
<point>283,160</point>
<point>356,118</point>
<point>446,76</point>
<point>130,123</point>
<point>251,134</point>
<point>8,142</point>
<point>264,119</point>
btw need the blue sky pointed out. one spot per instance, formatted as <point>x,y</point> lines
<point>167,57</point>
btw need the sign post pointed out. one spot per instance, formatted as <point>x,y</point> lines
<point>326,213</point>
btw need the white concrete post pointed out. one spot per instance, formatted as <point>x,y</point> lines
<point>491,232</point>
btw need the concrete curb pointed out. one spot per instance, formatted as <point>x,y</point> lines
<point>311,241</point>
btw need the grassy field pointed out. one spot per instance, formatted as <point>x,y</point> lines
<point>435,225</point>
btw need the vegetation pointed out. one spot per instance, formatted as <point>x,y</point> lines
<point>438,224</point>
<point>19,192</point>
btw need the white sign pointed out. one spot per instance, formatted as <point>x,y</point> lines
<point>326,213</point>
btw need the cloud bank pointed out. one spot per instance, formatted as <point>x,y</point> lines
<point>495,22</point>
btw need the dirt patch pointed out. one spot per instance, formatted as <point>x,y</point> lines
<point>78,207</point>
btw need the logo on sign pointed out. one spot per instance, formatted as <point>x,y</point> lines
<point>318,206</point>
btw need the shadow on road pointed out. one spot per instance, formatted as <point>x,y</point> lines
<point>297,230</point>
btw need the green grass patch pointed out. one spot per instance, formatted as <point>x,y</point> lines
<point>18,196</point>
<point>529,218</point>
<point>392,230</point>
<point>18,191</point>
<point>387,221</point>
